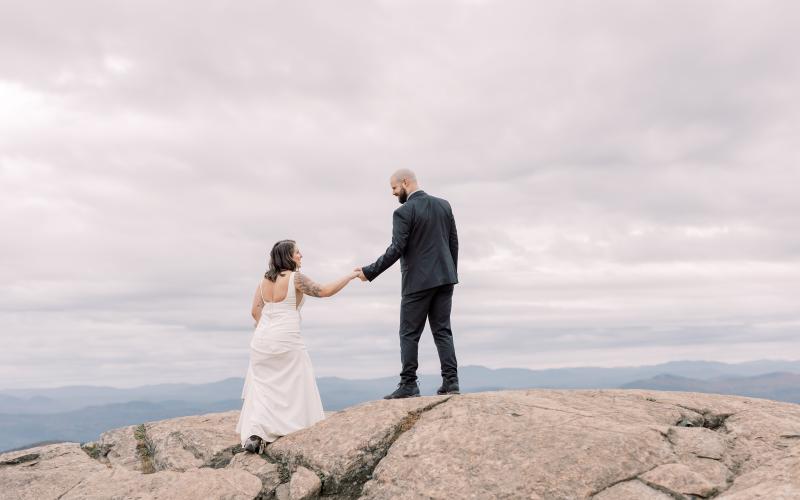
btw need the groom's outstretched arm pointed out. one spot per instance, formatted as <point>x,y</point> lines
<point>401,227</point>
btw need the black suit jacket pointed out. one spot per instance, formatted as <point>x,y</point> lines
<point>425,240</point>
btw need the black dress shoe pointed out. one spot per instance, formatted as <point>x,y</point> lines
<point>448,387</point>
<point>253,444</point>
<point>404,391</point>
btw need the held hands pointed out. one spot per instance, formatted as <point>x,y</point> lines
<point>358,273</point>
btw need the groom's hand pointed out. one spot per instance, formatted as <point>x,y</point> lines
<point>361,275</point>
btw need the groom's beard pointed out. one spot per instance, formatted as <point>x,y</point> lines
<point>403,196</point>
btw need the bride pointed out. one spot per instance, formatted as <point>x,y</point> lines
<point>280,393</point>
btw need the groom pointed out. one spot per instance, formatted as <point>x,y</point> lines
<point>424,238</point>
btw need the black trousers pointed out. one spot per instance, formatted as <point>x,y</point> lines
<point>434,305</point>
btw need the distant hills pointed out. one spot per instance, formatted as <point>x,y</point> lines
<point>81,413</point>
<point>74,397</point>
<point>85,424</point>
<point>780,386</point>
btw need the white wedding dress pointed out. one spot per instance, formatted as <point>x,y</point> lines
<point>280,392</point>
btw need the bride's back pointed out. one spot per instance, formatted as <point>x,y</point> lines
<point>277,292</point>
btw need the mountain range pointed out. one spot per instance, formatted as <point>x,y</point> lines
<point>780,386</point>
<point>81,413</point>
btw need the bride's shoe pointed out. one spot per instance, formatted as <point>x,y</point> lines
<point>253,444</point>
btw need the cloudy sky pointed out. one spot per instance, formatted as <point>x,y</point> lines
<point>624,177</point>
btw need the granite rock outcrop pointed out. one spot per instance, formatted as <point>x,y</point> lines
<point>545,444</point>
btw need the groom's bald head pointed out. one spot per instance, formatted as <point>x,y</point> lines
<point>403,182</point>
<point>404,174</point>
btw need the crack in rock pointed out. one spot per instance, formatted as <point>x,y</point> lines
<point>186,444</point>
<point>629,478</point>
<point>665,490</point>
<point>351,484</point>
<point>716,421</point>
<point>59,497</point>
<point>285,467</point>
<point>668,438</point>
<point>695,410</point>
<point>222,458</point>
<point>268,486</point>
<point>20,459</point>
<point>365,474</point>
<point>558,409</point>
<point>704,418</point>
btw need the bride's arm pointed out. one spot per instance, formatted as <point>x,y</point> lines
<point>309,287</point>
<point>258,304</point>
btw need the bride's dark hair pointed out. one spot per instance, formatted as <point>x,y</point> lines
<point>280,259</point>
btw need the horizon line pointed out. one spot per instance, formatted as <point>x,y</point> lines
<point>422,374</point>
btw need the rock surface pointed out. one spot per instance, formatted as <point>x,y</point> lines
<point>679,478</point>
<point>548,444</point>
<point>119,482</point>
<point>345,447</point>
<point>305,485</point>
<point>631,490</point>
<point>44,471</point>
<point>266,471</point>
<point>177,444</point>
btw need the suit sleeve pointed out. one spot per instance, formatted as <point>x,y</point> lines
<point>453,240</point>
<point>401,227</point>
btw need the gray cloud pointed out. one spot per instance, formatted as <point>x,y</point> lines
<point>623,177</point>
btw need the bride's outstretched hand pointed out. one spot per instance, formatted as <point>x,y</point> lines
<point>359,274</point>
